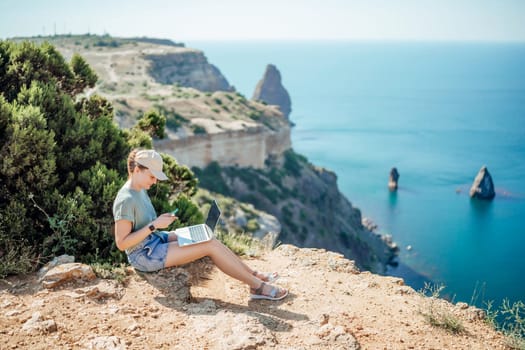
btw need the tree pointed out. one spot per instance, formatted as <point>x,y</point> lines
<point>83,74</point>
<point>153,124</point>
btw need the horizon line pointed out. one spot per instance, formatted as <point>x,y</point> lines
<point>300,39</point>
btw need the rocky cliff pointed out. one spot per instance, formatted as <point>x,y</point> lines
<point>332,305</point>
<point>308,204</point>
<point>188,68</point>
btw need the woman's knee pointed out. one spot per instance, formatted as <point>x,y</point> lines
<point>213,243</point>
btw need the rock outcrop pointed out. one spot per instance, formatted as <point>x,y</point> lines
<point>331,305</point>
<point>66,272</point>
<point>483,186</point>
<point>188,68</point>
<point>392,179</point>
<point>270,90</point>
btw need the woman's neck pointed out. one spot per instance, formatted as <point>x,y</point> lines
<point>133,184</point>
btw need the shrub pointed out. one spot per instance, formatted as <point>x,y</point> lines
<point>211,178</point>
<point>294,162</point>
<point>197,129</point>
<point>239,243</point>
<point>252,225</point>
<point>153,124</point>
<point>510,320</point>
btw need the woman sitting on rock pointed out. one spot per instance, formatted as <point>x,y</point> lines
<point>136,225</point>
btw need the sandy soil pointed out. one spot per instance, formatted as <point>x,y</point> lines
<point>331,306</point>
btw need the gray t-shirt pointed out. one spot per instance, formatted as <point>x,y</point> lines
<point>134,206</point>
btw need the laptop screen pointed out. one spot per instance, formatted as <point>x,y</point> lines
<point>213,215</point>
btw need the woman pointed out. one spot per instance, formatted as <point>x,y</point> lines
<point>136,225</point>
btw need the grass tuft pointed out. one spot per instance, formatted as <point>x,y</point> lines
<point>109,271</point>
<point>436,314</point>
<point>242,243</point>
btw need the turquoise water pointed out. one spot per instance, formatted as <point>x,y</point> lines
<point>437,112</point>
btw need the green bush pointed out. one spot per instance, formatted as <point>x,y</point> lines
<point>211,178</point>
<point>198,130</point>
<point>153,124</point>
<point>294,162</point>
<point>62,161</point>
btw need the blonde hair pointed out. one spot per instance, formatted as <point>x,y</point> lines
<point>132,164</point>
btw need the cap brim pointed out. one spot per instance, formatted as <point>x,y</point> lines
<point>159,175</point>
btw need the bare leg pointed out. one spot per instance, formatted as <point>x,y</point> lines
<point>222,257</point>
<point>260,276</point>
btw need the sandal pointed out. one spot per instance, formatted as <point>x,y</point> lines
<point>276,293</point>
<point>267,277</point>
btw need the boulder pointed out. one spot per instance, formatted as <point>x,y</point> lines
<point>67,272</point>
<point>270,90</point>
<point>393,178</point>
<point>483,186</point>
<point>58,260</point>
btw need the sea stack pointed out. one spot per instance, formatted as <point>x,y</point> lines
<point>483,186</point>
<point>392,180</point>
<point>270,90</point>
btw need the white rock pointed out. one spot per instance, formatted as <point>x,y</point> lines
<point>67,272</point>
<point>36,324</point>
<point>106,343</point>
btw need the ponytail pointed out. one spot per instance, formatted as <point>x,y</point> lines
<point>132,164</point>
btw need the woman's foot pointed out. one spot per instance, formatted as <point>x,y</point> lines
<point>268,292</point>
<point>266,277</point>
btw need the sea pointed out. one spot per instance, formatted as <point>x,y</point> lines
<point>438,112</point>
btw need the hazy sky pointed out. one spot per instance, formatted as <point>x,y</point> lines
<point>183,20</point>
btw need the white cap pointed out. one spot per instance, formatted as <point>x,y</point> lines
<point>153,161</point>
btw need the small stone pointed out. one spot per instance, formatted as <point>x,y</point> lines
<point>462,305</point>
<point>13,313</point>
<point>37,324</point>
<point>107,343</point>
<point>323,319</point>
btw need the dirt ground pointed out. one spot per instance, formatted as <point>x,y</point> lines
<point>331,306</point>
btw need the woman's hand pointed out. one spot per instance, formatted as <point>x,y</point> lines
<point>164,220</point>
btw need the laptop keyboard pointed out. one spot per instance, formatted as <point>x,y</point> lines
<point>198,233</point>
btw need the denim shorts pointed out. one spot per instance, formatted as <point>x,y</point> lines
<point>150,254</point>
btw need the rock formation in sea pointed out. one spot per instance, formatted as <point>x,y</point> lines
<point>393,178</point>
<point>270,90</point>
<point>483,186</point>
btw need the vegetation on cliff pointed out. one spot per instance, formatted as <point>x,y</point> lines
<point>294,190</point>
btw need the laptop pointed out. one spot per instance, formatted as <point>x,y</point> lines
<point>200,233</point>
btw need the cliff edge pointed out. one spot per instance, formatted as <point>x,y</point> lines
<point>331,305</point>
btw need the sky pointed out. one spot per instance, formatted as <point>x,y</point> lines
<point>190,20</point>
